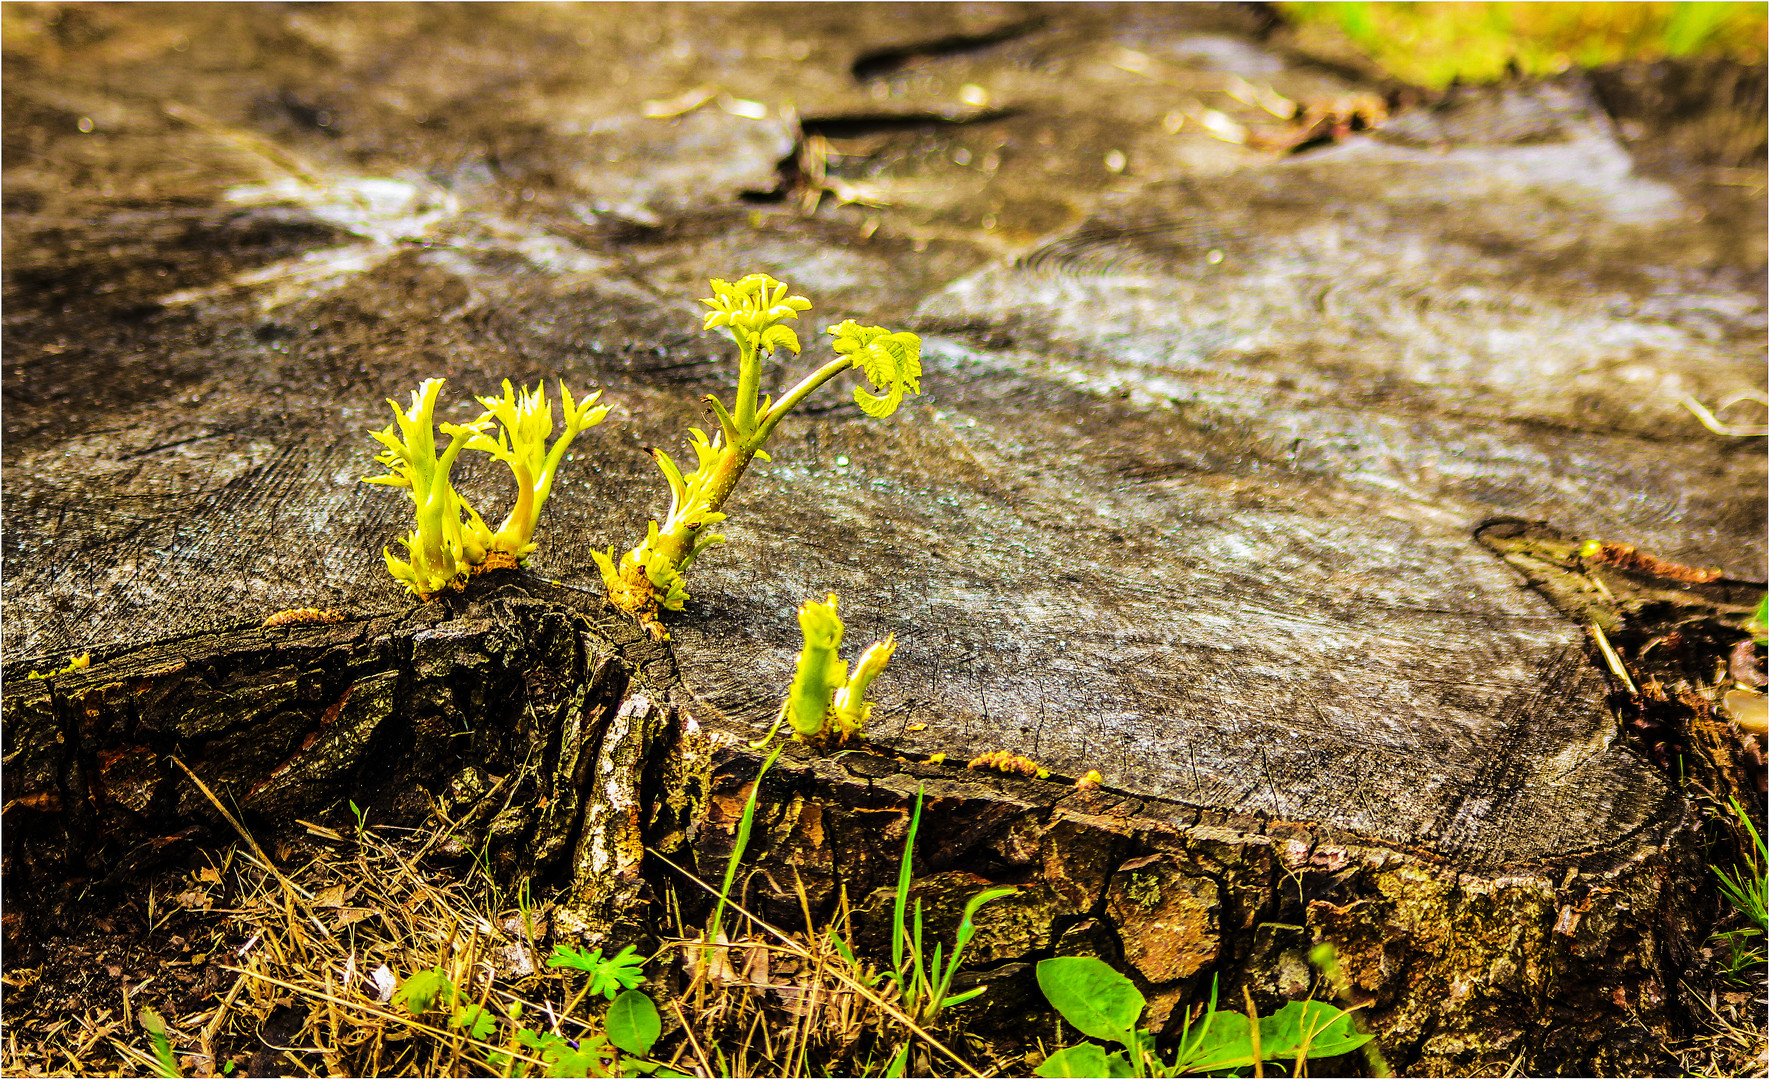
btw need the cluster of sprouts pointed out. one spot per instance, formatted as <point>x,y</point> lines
<point>451,541</point>
<point>826,704</point>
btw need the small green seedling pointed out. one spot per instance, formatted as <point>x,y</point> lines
<point>753,311</point>
<point>825,704</point>
<point>631,1027</point>
<point>451,541</point>
<point>622,971</point>
<point>1102,1004</point>
<point>922,979</point>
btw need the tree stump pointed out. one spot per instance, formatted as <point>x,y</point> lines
<point>1191,497</point>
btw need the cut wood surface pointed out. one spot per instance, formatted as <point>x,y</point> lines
<point>1190,496</point>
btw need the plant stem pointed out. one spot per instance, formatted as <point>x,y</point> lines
<point>749,382</point>
<point>794,396</point>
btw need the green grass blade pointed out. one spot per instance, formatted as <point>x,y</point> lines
<point>737,852</point>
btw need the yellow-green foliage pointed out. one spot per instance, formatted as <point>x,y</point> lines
<point>893,361</point>
<point>451,540</point>
<point>851,709</point>
<point>526,422</point>
<point>1433,44</point>
<point>437,549</point>
<point>78,663</point>
<point>753,311</point>
<point>824,701</point>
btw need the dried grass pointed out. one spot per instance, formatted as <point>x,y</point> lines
<point>316,949</point>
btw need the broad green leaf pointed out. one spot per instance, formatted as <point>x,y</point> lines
<point>1083,1059</point>
<point>1225,1044</point>
<point>419,993</point>
<point>1095,999</point>
<point>633,1023</point>
<point>1325,1029</point>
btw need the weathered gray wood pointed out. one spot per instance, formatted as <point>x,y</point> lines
<point>1201,525</point>
<point>1191,493</point>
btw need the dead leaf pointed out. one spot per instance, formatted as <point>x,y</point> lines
<point>384,982</point>
<point>756,966</point>
<point>320,830</point>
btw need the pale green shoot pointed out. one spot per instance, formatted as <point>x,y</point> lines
<point>438,549</point>
<point>850,708</point>
<point>451,541</point>
<point>825,704</point>
<point>753,311</point>
<point>821,673</point>
<point>526,421</point>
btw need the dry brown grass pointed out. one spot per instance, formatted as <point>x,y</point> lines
<point>313,954</point>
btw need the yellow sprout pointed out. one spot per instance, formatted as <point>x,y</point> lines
<point>648,578</point>
<point>437,548</point>
<point>526,422</point>
<point>451,540</point>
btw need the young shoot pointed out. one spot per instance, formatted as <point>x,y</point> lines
<point>526,421</point>
<point>437,549</point>
<point>451,541</point>
<point>826,704</point>
<point>754,312</point>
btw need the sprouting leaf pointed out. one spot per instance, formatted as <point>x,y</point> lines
<point>421,992</point>
<point>892,362</point>
<point>851,707</point>
<point>777,338</point>
<point>633,1024</point>
<point>607,976</point>
<point>750,306</point>
<point>525,419</point>
<point>647,578</point>
<point>439,551</point>
<point>820,671</point>
<point>476,1020</point>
